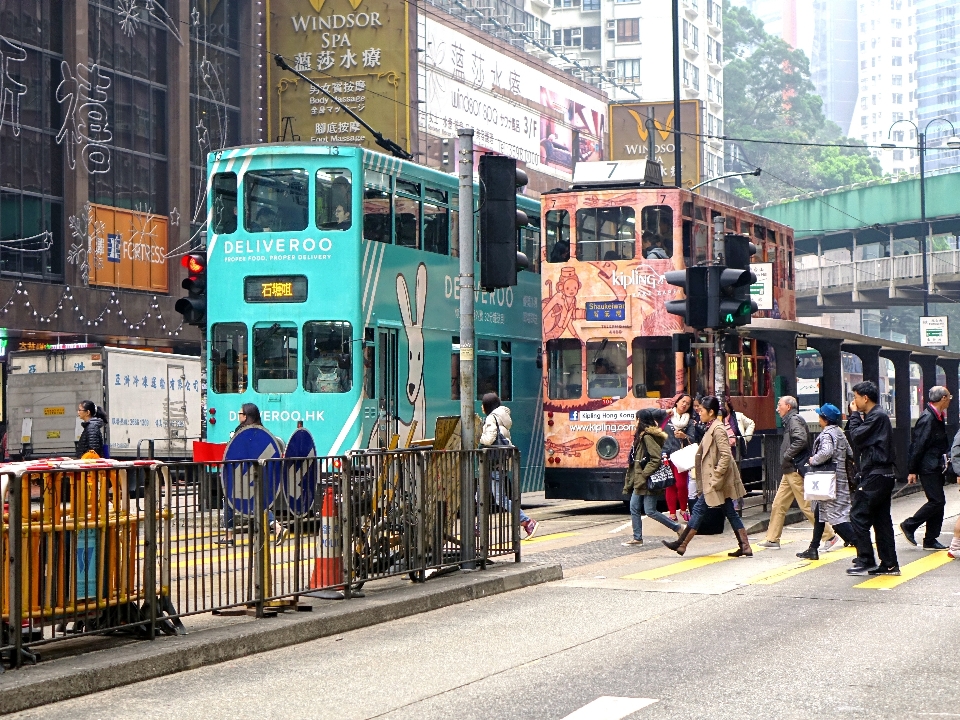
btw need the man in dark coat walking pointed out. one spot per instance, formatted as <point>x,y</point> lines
<point>929,446</point>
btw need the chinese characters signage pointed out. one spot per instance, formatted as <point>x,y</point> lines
<point>275,288</point>
<point>612,310</point>
<point>357,50</point>
<point>128,249</point>
<point>630,134</point>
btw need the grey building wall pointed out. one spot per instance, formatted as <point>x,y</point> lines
<point>833,65</point>
<point>938,65</point>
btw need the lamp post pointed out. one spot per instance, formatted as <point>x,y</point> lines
<point>953,143</point>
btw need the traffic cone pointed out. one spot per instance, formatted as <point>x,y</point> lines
<point>328,567</point>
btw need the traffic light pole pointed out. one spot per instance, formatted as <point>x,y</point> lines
<point>719,360</point>
<point>467,380</point>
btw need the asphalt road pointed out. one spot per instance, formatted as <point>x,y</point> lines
<point>696,637</point>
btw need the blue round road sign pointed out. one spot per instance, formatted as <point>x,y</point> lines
<point>300,472</point>
<point>244,449</point>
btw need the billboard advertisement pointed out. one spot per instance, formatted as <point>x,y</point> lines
<point>634,125</point>
<point>357,50</point>
<point>128,249</point>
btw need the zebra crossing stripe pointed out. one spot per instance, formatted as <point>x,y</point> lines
<point>687,565</point>
<point>775,576</point>
<point>907,572</point>
<point>547,538</point>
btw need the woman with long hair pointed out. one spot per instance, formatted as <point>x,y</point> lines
<point>718,482</point>
<point>648,440</point>
<point>678,418</point>
<point>93,420</point>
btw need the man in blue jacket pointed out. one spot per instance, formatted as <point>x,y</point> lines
<point>929,448</point>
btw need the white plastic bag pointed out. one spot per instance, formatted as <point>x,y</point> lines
<point>685,458</point>
<point>819,485</point>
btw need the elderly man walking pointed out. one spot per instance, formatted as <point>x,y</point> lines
<point>794,451</point>
<point>929,450</point>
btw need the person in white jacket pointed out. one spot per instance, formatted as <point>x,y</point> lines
<point>496,433</point>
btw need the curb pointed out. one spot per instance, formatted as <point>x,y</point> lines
<point>97,671</point>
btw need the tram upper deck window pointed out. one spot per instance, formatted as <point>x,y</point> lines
<point>334,199</point>
<point>558,236</point>
<point>564,369</point>
<point>274,357</point>
<point>606,368</point>
<point>436,222</point>
<point>653,367</point>
<point>228,358</point>
<point>407,214</point>
<point>327,357</point>
<point>606,233</point>
<point>275,200</point>
<point>656,223</point>
<point>224,210</point>
<point>530,243</point>
<point>377,192</point>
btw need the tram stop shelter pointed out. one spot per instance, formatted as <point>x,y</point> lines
<point>783,334</point>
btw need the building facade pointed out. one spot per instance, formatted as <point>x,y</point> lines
<point>938,65</point>
<point>834,58</point>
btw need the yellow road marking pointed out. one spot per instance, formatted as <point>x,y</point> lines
<point>775,576</point>
<point>547,538</point>
<point>686,565</point>
<point>907,572</point>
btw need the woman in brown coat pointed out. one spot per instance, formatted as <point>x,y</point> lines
<point>718,481</point>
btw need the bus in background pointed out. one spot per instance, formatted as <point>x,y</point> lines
<point>333,301</point>
<point>607,337</point>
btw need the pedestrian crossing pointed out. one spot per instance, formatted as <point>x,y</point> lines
<point>907,572</point>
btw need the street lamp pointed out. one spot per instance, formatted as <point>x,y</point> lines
<point>953,143</point>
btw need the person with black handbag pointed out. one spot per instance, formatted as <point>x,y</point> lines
<point>647,476</point>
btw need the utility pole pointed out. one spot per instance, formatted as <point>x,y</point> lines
<point>719,360</point>
<point>676,94</point>
<point>467,381</point>
<point>922,146</point>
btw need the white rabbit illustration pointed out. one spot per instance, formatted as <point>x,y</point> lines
<point>414,330</point>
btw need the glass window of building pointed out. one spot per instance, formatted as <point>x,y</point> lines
<point>558,236</point>
<point>606,368</point>
<point>327,357</point>
<point>606,233</point>
<point>653,368</point>
<point>274,357</point>
<point>334,199</point>
<point>275,200</point>
<point>564,369</point>
<point>228,358</point>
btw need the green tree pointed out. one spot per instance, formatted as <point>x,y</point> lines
<point>769,96</point>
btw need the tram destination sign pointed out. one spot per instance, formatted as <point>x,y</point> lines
<point>609,311</point>
<point>275,289</point>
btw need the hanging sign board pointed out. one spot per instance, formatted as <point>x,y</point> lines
<point>761,292</point>
<point>933,331</point>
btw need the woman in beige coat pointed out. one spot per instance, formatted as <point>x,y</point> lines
<point>718,481</point>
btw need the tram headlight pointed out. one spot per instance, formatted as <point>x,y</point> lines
<point>608,447</point>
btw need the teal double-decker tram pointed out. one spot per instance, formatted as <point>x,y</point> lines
<point>333,301</point>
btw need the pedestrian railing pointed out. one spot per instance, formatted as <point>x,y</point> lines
<point>135,547</point>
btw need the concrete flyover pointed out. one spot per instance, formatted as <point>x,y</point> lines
<point>782,335</point>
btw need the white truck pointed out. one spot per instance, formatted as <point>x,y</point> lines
<point>148,396</point>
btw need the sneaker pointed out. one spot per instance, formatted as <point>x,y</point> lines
<point>771,544</point>
<point>280,534</point>
<point>933,545</point>
<point>809,554</point>
<point>831,544</point>
<point>628,543</point>
<point>954,551</point>
<point>530,526</point>
<point>224,541</point>
<point>862,570</point>
<point>686,515</point>
<point>908,534</point>
<point>879,570</point>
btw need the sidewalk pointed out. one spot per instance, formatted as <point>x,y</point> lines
<point>83,673</point>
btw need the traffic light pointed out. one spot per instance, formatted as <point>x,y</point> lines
<point>736,306</point>
<point>694,309</point>
<point>194,306</point>
<point>499,221</point>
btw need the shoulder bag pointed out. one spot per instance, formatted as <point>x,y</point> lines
<point>661,479</point>
<point>820,481</point>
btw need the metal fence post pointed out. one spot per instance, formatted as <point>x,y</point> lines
<point>260,536</point>
<point>150,548</point>
<point>346,532</point>
<point>483,507</point>
<point>16,569</point>
<point>514,490</point>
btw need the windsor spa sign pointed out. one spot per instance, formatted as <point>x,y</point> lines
<point>358,51</point>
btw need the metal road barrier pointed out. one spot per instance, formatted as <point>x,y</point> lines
<point>136,546</point>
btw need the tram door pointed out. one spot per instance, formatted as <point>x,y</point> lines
<point>387,371</point>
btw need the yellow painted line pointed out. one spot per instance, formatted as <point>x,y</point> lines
<point>686,565</point>
<point>775,576</point>
<point>907,572</point>
<point>548,538</point>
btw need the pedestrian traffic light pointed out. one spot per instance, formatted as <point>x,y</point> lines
<point>736,305</point>
<point>194,306</point>
<point>499,221</point>
<point>694,308</point>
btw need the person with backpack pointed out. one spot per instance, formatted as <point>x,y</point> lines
<point>496,433</point>
<point>647,452</point>
<point>831,446</point>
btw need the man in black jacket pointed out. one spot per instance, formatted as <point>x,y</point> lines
<point>871,436</point>
<point>927,451</point>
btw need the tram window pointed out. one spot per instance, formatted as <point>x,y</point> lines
<point>224,215</point>
<point>369,355</point>
<point>275,200</point>
<point>488,375</point>
<point>334,199</point>
<point>700,242</point>
<point>376,206</point>
<point>564,369</point>
<point>436,228</point>
<point>530,243</point>
<point>274,357</point>
<point>327,357</point>
<point>656,223</point>
<point>228,358</point>
<point>731,223</point>
<point>606,368</point>
<point>687,210</point>
<point>407,219</point>
<point>653,368</point>
<point>558,236</point>
<point>454,233</point>
<point>494,369</point>
<point>606,233</point>
<point>455,368</point>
